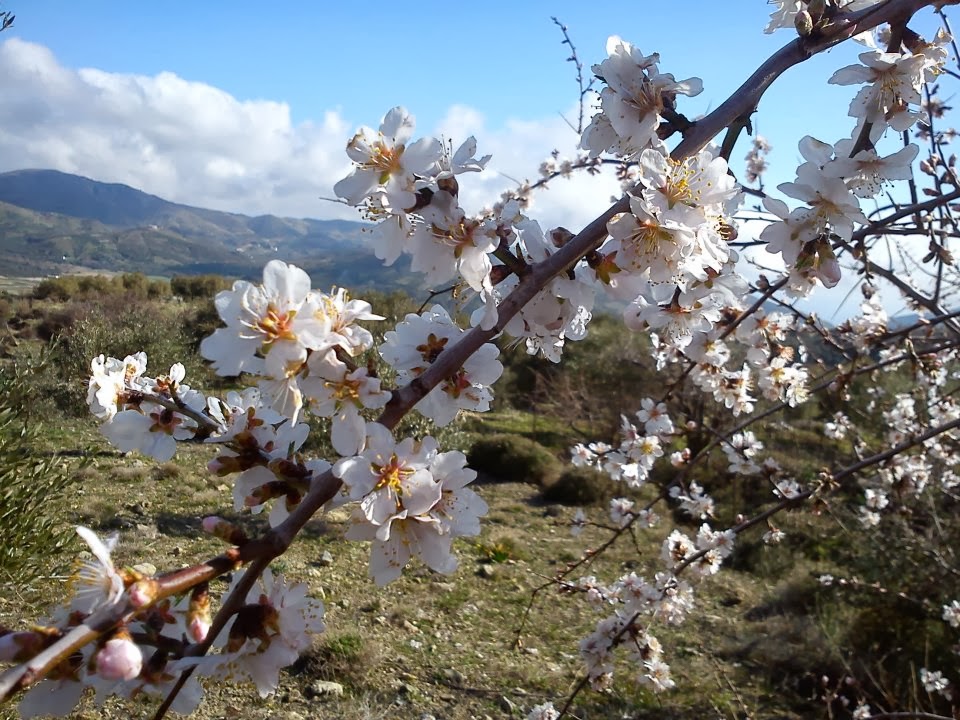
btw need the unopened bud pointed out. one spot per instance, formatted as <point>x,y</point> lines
<point>499,273</point>
<point>223,465</point>
<point>560,236</point>
<point>119,658</point>
<point>198,613</point>
<point>803,22</point>
<point>449,184</point>
<point>827,267</point>
<point>18,647</point>
<point>143,592</point>
<point>816,9</point>
<point>223,529</point>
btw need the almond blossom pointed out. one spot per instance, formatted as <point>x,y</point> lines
<point>413,502</point>
<point>96,583</point>
<point>419,341</point>
<point>894,82</point>
<point>269,329</point>
<point>866,172</point>
<point>112,382</point>
<point>635,95</point>
<point>386,165</point>
<point>334,390</point>
<point>277,623</point>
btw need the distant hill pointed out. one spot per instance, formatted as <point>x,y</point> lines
<point>53,222</point>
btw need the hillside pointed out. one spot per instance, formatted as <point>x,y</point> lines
<point>53,222</point>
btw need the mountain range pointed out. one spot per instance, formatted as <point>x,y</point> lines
<point>53,222</point>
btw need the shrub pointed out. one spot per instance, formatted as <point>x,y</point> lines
<point>116,326</point>
<point>579,486</point>
<point>510,458</point>
<point>30,485</point>
<point>199,287</point>
<point>79,287</point>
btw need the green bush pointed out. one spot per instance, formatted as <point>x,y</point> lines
<point>116,326</point>
<point>80,287</point>
<point>511,458</point>
<point>578,486</point>
<point>31,484</point>
<point>199,287</point>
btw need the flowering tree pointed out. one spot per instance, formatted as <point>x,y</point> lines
<point>667,251</point>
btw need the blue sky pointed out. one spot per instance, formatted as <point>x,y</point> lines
<point>503,59</point>
<point>247,107</point>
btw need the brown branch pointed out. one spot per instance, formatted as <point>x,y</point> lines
<point>277,540</point>
<point>21,676</point>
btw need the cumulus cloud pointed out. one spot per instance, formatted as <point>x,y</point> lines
<point>193,143</point>
<point>185,141</point>
<point>518,149</point>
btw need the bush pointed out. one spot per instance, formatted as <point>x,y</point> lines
<point>79,287</point>
<point>579,486</point>
<point>30,486</point>
<point>199,287</point>
<point>510,458</point>
<point>116,326</point>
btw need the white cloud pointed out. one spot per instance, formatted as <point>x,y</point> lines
<point>196,144</point>
<point>185,141</point>
<point>518,149</point>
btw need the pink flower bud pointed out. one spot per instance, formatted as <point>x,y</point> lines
<point>198,629</point>
<point>19,646</point>
<point>119,659</point>
<point>829,272</point>
<point>210,524</point>
<point>143,592</point>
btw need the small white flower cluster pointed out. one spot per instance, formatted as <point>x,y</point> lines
<point>295,340</point>
<point>837,428</point>
<point>412,192</point>
<point>418,341</point>
<point>951,614</point>
<point>667,599</point>
<point>870,325</point>
<point>413,501</point>
<point>546,711</point>
<point>632,461</point>
<point>116,393</point>
<point>704,555</point>
<point>741,451</point>
<point>634,98</point>
<point>933,466</point>
<point>933,681</point>
<point>668,257</point>
<point>756,159</point>
<point>834,178</point>
<point>771,364</point>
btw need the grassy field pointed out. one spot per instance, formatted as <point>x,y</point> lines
<point>484,642</point>
<point>500,635</point>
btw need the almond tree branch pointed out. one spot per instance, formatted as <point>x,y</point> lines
<point>324,487</point>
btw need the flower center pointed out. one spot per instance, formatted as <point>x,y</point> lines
<point>345,389</point>
<point>458,236</point>
<point>276,325</point>
<point>431,349</point>
<point>385,160</point>
<point>648,236</point>
<point>391,475</point>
